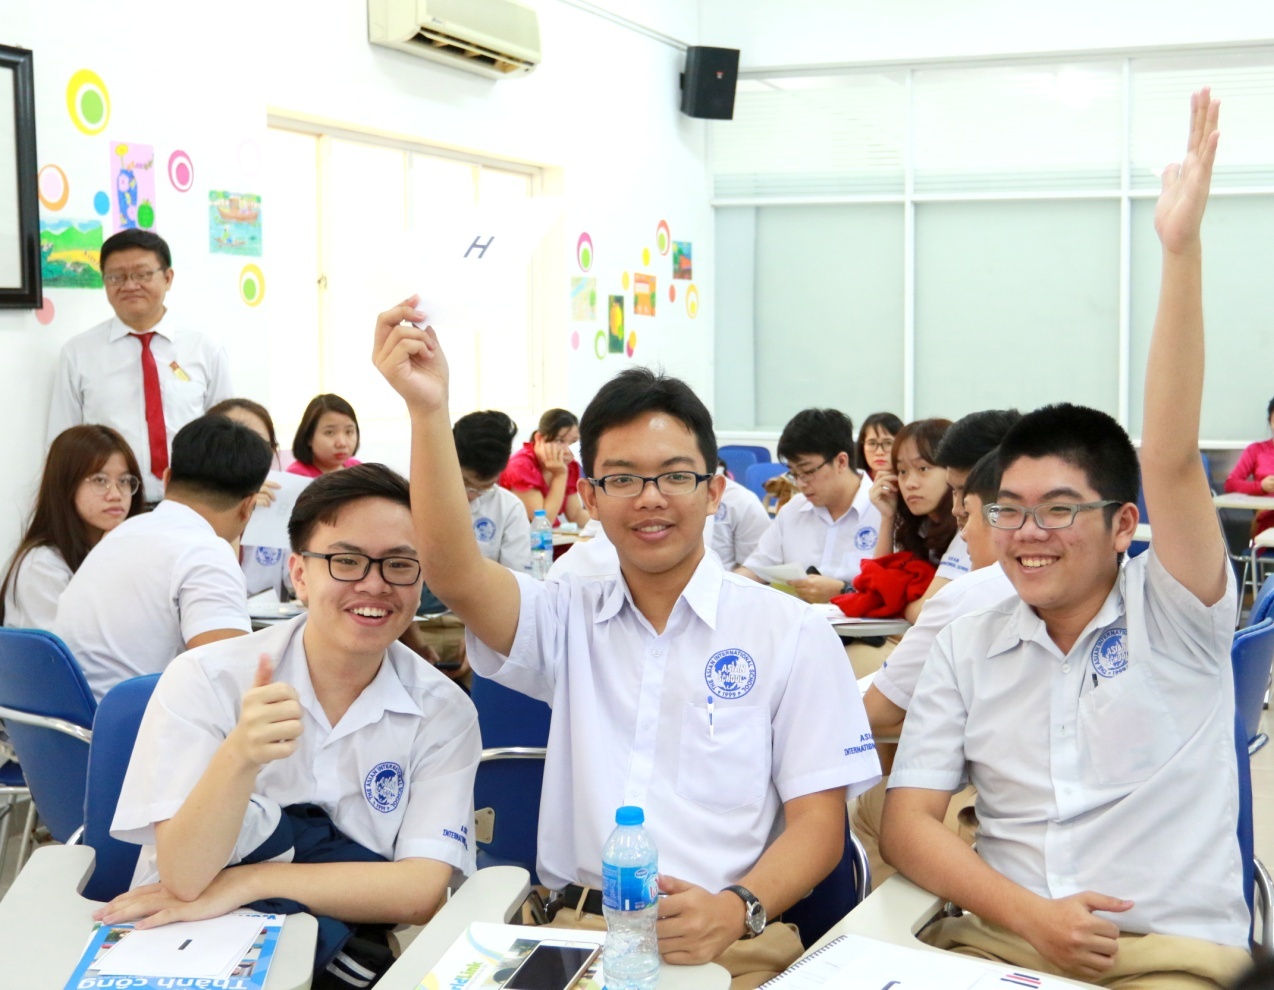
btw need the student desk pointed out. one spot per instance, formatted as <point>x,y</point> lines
<point>860,628</point>
<point>45,926</point>
<point>1237,500</point>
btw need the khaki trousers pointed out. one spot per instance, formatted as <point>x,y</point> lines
<point>865,824</point>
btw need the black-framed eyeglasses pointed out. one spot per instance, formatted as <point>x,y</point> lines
<point>800,477</point>
<point>355,566</point>
<point>884,446</point>
<point>1047,515</point>
<point>668,483</point>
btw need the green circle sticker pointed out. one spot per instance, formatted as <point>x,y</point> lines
<point>91,106</point>
<point>145,215</point>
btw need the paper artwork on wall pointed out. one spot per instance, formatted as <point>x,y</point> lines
<point>663,237</point>
<point>583,298</point>
<point>234,223</point>
<point>682,266</point>
<point>251,285</point>
<point>132,186</point>
<point>181,171</point>
<point>616,323</point>
<point>70,254</point>
<point>52,188</point>
<point>643,295</point>
<point>88,102</point>
<point>584,252</point>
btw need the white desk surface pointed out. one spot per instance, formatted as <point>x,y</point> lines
<point>871,627</point>
<point>1142,533</point>
<point>45,926</point>
<point>494,895</point>
<point>1254,503</point>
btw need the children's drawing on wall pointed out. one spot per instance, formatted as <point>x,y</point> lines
<point>234,223</point>
<point>643,295</point>
<point>681,264</point>
<point>132,186</point>
<point>583,299</point>
<point>70,254</point>
<point>615,339</point>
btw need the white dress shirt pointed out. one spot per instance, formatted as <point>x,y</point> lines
<point>99,380</point>
<point>806,534</point>
<point>147,589</point>
<point>502,529</point>
<point>596,557</point>
<point>31,599</point>
<point>631,720</point>
<point>1111,768</point>
<point>740,522</point>
<point>395,774</point>
<point>955,559</point>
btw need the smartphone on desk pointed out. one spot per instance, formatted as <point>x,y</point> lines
<point>553,966</point>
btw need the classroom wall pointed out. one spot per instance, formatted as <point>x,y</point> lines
<point>599,114</point>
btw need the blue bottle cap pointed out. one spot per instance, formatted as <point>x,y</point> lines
<point>541,512</point>
<point>629,814</point>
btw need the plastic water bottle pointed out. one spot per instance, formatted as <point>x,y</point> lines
<point>630,891</point>
<point>541,545</point>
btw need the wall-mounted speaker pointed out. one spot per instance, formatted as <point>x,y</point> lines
<point>707,85</point>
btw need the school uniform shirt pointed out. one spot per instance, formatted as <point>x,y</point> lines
<point>502,529</point>
<point>150,586</point>
<point>31,600</point>
<point>632,721</point>
<point>806,534</point>
<point>99,380</point>
<point>1111,768</point>
<point>741,521</point>
<point>264,569</point>
<point>967,594</point>
<point>395,774</point>
<point>955,559</point>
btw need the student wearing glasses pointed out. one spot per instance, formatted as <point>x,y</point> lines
<point>744,793</point>
<point>143,372</point>
<point>90,485</point>
<point>831,525</point>
<point>876,442</point>
<point>484,441</point>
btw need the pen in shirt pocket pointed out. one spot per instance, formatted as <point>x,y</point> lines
<point>712,706</point>
<point>178,372</point>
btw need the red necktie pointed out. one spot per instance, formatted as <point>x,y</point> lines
<point>156,432</point>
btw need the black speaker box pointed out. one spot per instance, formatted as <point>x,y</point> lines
<point>707,85</point>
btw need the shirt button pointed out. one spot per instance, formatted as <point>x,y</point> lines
<point>656,653</point>
<point>1066,790</point>
<point>1066,668</point>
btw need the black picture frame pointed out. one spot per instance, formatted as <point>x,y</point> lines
<point>20,285</point>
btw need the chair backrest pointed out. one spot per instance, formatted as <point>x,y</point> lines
<point>759,474</point>
<point>506,799</point>
<point>762,453</point>
<point>1263,607</point>
<point>507,717</point>
<point>1252,656</point>
<point>836,895</point>
<point>1247,840</point>
<point>114,732</point>
<point>41,681</point>
<point>737,459</point>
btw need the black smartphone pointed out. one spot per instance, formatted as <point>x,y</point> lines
<point>553,966</point>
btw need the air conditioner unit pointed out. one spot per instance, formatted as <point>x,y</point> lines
<point>495,38</point>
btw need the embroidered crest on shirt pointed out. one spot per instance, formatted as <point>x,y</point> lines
<point>384,787</point>
<point>269,556</point>
<point>865,538</point>
<point>722,513</point>
<point>1110,653</point>
<point>484,529</point>
<point>730,674</point>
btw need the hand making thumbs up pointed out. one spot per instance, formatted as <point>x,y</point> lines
<point>270,719</point>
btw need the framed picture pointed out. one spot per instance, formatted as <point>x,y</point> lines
<point>19,206</point>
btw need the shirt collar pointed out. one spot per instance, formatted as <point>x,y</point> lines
<point>119,329</point>
<point>857,507</point>
<point>1025,625</point>
<point>701,593</point>
<point>184,514</point>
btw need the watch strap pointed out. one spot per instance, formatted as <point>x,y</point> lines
<point>754,911</point>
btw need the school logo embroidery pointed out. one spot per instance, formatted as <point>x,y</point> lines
<point>269,556</point>
<point>462,836</point>
<point>865,538</point>
<point>1110,654</point>
<point>722,513</point>
<point>384,787</point>
<point>484,529</point>
<point>730,674</point>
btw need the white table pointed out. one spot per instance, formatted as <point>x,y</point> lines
<point>1142,533</point>
<point>495,895</point>
<point>45,926</point>
<point>1253,503</point>
<point>860,628</point>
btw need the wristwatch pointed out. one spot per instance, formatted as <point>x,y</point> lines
<point>754,918</point>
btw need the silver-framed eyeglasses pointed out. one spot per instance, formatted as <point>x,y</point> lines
<point>1047,515</point>
<point>141,278</point>
<point>355,566</point>
<point>632,485</point>
<point>125,484</point>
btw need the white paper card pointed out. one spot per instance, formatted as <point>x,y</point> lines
<point>192,949</point>
<point>780,572</point>
<point>268,526</point>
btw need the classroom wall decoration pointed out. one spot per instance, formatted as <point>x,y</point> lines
<point>52,187</point>
<point>584,252</point>
<point>599,345</point>
<point>583,298</point>
<point>663,236</point>
<point>643,295</point>
<point>692,301</point>
<point>88,102</point>
<point>181,171</point>
<point>132,186</point>
<point>69,254</point>
<point>682,266</point>
<point>251,285</point>
<point>616,323</point>
<point>234,223</point>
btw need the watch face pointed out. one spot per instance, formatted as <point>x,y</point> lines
<point>756,917</point>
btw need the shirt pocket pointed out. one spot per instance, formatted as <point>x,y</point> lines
<point>729,766</point>
<point>1126,727</point>
<point>184,397</point>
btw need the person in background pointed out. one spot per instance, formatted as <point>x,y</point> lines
<point>1254,473</point>
<point>143,372</point>
<point>739,524</point>
<point>91,484</point>
<point>876,442</point>
<point>327,438</point>
<point>966,442</point>
<point>484,441</point>
<point>544,473</point>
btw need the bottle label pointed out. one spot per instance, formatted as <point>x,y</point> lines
<point>542,540</point>
<point>629,888</point>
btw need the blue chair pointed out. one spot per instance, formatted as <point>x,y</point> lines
<point>1257,884</point>
<point>114,731</point>
<point>737,460</point>
<point>13,789</point>
<point>762,453</point>
<point>507,717</point>
<point>759,474</point>
<point>836,895</point>
<point>1252,655</point>
<point>506,799</point>
<point>1263,606</point>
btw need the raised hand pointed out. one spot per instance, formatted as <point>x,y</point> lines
<point>1179,212</point>
<point>410,358</point>
<point>270,719</point>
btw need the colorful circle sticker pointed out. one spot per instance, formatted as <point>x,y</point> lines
<point>52,187</point>
<point>645,257</point>
<point>584,252</point>
<point>181,171</point>
<point>692,302</point>
<point>632,342</point>
<point>663,237</point>
<point>575,340</point>
<point>46,312</point>
<point>101,203</point>
<point>672,292</point>
<point>624,280</point>
<point>88,102</point>
<point>599,345</point>
<point>146,216</point>
<point>251,285</point>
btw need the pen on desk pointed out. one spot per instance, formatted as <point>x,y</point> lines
<point>712,731</point>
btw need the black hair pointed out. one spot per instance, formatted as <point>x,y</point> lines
<point>1086,438</point>
<point>484,441</point>
<point>302,443</point>
<point>825,432</point>
<point>134,238</point>
<point>218,461</point>
<point>635,392</point>
<point>971,437</point>
<point>984,477</point>
<point>554,421</point>
<point>323,498</point>
<point>1269,410</point>
<point>885,421</point>
<point>926,536</point>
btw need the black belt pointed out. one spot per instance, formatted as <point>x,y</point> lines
<point>569,897</point>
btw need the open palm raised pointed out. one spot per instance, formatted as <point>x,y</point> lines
<point>1179,212</point>
<point>410,358</point>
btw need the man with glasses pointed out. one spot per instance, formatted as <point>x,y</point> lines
<point>725,710</point>
<point>830,526</point>
<point>484,441</point>
<point>139,372</point>
<point>1095,716</point>
<point>317,765</point>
